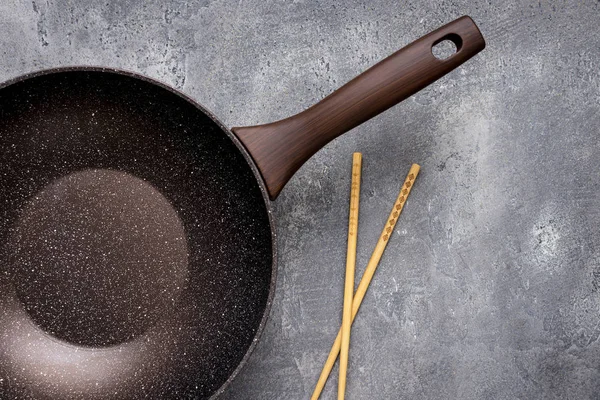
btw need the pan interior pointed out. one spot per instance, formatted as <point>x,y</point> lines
<point>135,238</point>
<point>82,252</point>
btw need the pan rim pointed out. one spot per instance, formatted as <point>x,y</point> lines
<point>242,150</point>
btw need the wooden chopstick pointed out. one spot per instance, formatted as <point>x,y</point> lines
<point>350,267</point>
<point>368,274</point>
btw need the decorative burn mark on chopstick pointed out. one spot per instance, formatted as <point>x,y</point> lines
<point>408,183</point>
<point>354,195</point>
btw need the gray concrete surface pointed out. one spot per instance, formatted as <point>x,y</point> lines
<point>490,286</point>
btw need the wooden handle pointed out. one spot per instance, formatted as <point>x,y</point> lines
<point>350,268</point>
<point>365,281</point>
<point>280,148</point>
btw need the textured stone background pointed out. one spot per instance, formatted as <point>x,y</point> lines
<point>490,286</point>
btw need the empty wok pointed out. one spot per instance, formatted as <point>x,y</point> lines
<point>137,243</point>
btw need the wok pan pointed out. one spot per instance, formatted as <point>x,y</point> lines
<point>136,234</point>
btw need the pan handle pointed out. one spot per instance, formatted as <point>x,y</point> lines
<point>280,148</point>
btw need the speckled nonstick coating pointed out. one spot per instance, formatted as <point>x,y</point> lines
<point>136,239</point>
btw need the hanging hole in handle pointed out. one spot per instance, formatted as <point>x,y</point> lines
<point>446,46</point>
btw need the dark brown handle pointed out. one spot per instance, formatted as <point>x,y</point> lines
<point>281,147</point>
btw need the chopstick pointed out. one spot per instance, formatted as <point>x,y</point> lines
<point>350,267</point>
<point>368,274</point>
